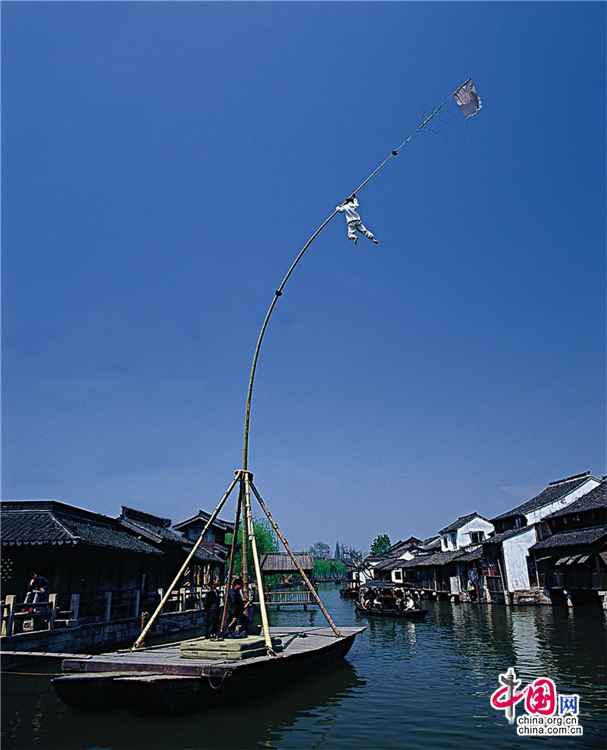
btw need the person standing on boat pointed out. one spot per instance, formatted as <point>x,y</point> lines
<point>348,207</point>
<point>236,606</point>
<point>211,608</point>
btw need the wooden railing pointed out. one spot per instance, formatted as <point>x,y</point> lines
<point>22,617</point>
<point>580,579</point>
<point>89,607</point>
<point>289,597</point>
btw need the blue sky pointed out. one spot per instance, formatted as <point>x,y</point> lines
<point>162,166</point>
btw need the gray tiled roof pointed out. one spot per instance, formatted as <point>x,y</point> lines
<point>553,492</point>
<point>401,546</point>
<point>270,563</point>
<point>157,526</point>
<point>203,516</point>
<point>461,521</point>
<point>572,538</point>
<point>496,538</point>
<point>476,554</point>
<point>391,563</point>
<point>107,536</point>
<point>596,499</point>
<point>159,531</point>
<point>437,559</point>
<point>50,522</point>
<point>22,527</point>
<point>431,542</point>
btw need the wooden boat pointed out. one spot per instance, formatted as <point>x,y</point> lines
<point>386,593</point>
<point>349,592</point>
<point>407,614</point>
<point>175,679</point>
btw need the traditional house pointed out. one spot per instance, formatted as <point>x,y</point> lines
<point>99,568</point>
<point>96,567</point>
<point>204,566</point>
<point>466,532</point>
<point>359,573</point>
<point>510,574</point>
<point>405,550</point>
<point>434,574</point>
<point>443,565</point>
<point>390,568</point>
<point>215,537</point>
<point>571,558</point>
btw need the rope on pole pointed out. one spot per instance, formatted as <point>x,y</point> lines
<point>278,292</point>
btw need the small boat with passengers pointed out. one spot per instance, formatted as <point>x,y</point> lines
<point>383,599</point>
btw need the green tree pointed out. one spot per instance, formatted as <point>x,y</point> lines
<point>381,545</point>
<point>329,569</point>
<point>265,537</point>
<point>320,550</point>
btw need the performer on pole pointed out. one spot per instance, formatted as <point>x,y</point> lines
<point>348,207</point>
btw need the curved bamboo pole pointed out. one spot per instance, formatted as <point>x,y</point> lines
<point>245,450</point>
<point>278,292</point>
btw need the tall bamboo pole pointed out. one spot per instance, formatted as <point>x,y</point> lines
<point>244,538</point>
<point>224,616</point>
<point>258,574</point>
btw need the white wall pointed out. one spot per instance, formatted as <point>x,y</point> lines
<point>515,559</point>
<point>461,537</point>
<point>476,524</point>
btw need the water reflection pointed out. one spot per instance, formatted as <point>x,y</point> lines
<point>32,716</point>
<point>415,685</point>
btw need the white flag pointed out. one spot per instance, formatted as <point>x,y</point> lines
<point>467,99</point>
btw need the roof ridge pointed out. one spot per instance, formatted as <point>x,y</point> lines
<point>569,479</point>
<point>67,531</point>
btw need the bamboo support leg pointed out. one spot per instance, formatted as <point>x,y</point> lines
<point>244,540</point>
<point>224,616</point>
<point>258,575</point>
<point>140,641</point>
<point>295,562</point>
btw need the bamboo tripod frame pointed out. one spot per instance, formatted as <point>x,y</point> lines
<point>245,479</point>
<point>244,515</point>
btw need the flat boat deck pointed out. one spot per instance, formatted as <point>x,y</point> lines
<point>166,659</point>
<point>160,680</point>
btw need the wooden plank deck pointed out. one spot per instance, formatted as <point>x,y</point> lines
<point>166,659</point>
<point>45,654</point>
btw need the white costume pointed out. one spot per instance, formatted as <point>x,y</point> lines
<point>354,222</point>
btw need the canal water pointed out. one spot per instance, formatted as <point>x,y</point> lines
<point>405,685</point>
